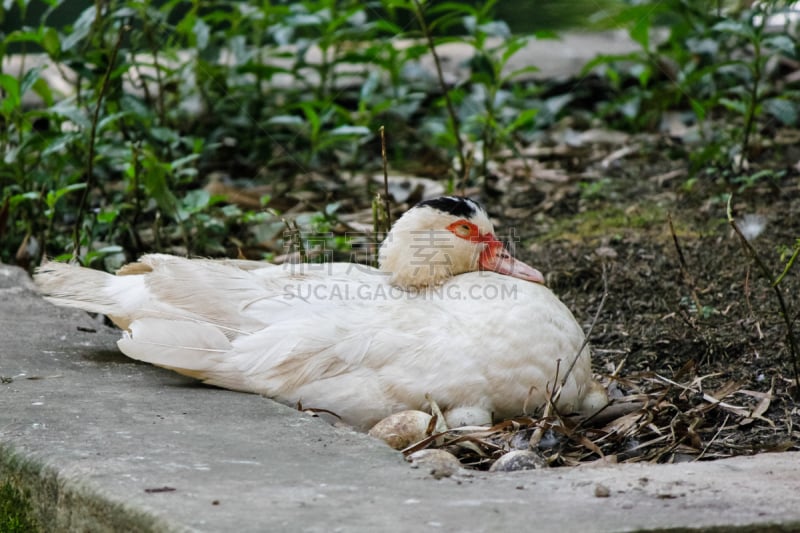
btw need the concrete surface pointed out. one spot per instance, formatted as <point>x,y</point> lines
<point>102,443</point>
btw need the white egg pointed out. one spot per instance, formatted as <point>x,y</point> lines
<point>402,429</point>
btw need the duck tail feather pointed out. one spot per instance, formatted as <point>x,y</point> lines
<point>75,286</point>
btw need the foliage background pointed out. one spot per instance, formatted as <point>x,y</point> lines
<point>164,98</point>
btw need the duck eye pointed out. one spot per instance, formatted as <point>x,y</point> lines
<point>463,230</point>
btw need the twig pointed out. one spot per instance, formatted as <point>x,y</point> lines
<point>687,277</point>
<point>76,242</point>
<point>591,326</point>
<point>295,238</point>
<point>752,102</point>
<point>379,224</point>
<point>773,283</point>
<point>385,182</point>
<point>538,433</point>
<point>450,109</point>
<point>162,115</point>
<point>707,446</point>
<point>467,170</point>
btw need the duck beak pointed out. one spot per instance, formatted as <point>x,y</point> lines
<point>503,263</point>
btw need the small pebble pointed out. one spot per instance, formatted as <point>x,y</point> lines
<point>601,491</point>
<point>606,252</point>
<point>438,462</point>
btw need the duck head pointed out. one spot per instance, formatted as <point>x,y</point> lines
<point>440,238</point>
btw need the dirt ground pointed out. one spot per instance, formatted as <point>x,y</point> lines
<point>700,340</point>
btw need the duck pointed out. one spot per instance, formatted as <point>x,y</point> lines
<point>449,316</point>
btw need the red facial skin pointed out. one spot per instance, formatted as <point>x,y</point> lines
<point>494,256</point>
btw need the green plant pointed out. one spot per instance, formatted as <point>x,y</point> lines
<point>711,61</point>
<point>15,511</point>
<point>482,110</point>
<point>159,98</point>
<point>748,98</point>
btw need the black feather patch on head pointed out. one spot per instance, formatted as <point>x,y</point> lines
<point>454,205</point>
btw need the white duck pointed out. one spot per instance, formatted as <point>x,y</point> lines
<point>449,314</point>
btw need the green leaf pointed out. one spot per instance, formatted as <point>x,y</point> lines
<point>10,86</point>
<point>357,131</point>
<point>496,28</point>
<point>112,249</point>
<point>312,116</point>
<point>196,200</point>
<point>42,88</point>
<point>610,59</point>
<point>61,142</point>
<point>286,120</point>
<point>51,43</point>
<point>783,110</point>
<point>524,118</point>
<point>54,196</point>
<point>181,161</point>
<point>17,198</point>
<point>519,72</point>
<point>698,108</point>
<point>734,105</point>
<point>512,47</point>
<point>80,29</point>
<point>735,27</point>
<point>155,182</point>
<point>20,36</point>
<point>640,32</point>
<point>68,110</point>
<point>541,35</point>
<point>107,217</point>
<point>164,135</point>
<point>110,119</point>
<point>369,86</point>
<point>782,43</point>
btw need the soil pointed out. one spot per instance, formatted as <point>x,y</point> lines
<point>690,325</point>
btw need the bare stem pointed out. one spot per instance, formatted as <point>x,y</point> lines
<point>591,326</point>
<point>751,106</point>
<point>295,239</point>
<point>684,270</point>
<point>450,109</point>
<point>385,182</point>
<point>76,232</point>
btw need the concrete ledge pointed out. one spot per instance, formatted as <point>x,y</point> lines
<point>98,442</point>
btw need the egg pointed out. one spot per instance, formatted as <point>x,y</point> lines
<point>402,429</point>
<point>518,460</point>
